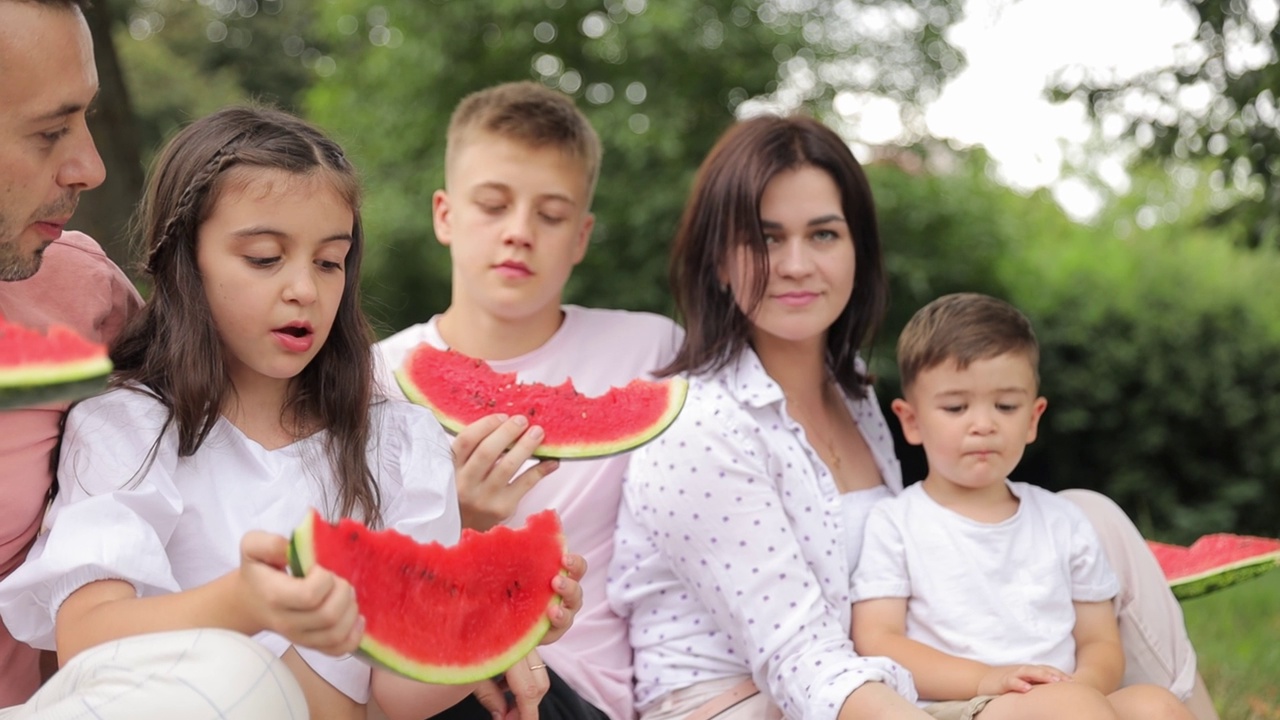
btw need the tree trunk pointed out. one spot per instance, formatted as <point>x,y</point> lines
<point>105,212</point>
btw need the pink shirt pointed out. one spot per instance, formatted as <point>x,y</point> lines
<point>597,349</point>
<point>79,287</point>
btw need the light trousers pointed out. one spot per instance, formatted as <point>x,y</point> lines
<point>188,675</point>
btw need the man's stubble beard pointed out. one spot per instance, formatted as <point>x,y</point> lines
<point>14,265</point>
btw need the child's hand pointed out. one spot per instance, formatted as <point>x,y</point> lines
<point>570,592</point>
<point>1018,678</point>
<point>318,611</point>
<point>486,455</point>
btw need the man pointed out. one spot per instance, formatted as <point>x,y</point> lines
<point>47,276</point>
<point>51,276</point>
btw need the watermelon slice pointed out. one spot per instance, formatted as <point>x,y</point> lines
<point>1214,562</point>
<point>37,368</point>
<point>445,615</point>
<point>461,389</point>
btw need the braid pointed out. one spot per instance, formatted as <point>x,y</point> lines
<point>185,215</point>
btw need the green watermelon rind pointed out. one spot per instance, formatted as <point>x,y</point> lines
<point>28,386</point>
<point>302,559</point>
<point>677,392</point>
<point>1222,576</point>
<point>388,659</point>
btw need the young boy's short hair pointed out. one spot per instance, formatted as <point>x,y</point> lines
<point>962,328</point>
<point>531,114</point>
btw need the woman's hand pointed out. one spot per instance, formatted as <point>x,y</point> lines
<point>487,454</point>
<point>527,681</point>
<point>317,611</point>
<point>1018,678</point>
<point>561,611</point>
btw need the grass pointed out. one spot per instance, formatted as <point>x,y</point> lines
<point>1236,633</point>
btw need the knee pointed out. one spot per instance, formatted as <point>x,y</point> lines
<point>1149,702</point>
<point>227,647</point>
<point>264,684</point>
<point>1085,702</point>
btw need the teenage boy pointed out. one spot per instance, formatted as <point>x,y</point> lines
<point>521,165</point>
<point>995,594</point>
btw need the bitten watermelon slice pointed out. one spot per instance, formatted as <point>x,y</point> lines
<point>461,389</point>
<point>445,615</point>
<point>38,368</point>
<point>1214,562</point>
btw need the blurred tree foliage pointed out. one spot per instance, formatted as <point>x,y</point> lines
<point>1161,361</point>
<point>179,60</point>
<point>1218,106</point>
<point>659,80</point>
<point>187,58</point>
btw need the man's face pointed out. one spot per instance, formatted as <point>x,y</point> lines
<point>47,80</point>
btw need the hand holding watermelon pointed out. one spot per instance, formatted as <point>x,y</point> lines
<point>447,615</point>
<point>317,611</point>
<point>487,455</point>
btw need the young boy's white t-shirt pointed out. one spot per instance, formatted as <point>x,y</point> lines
<point>999,593</point>
<point>129,508</point>
<point>598,349</point>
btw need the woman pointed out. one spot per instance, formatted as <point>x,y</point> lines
<point>741,523</point>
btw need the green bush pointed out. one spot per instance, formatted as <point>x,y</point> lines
<point>1161,362</point>
<point>1160,352</point>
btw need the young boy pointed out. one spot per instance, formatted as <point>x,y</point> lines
<point>520,169</point>
<point>996,595</point>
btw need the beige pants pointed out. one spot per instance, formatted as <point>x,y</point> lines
<point>1156,646</point>
<point>1157,649</point>
<point>191,675</point>
<point>682,702</point>
<point>959,709</point>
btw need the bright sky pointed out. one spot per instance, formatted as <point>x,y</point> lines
<point>1014,48</point>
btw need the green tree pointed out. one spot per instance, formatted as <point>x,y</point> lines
<point>162,63</point>
<point>659,80</point>
<point>1217,107</point>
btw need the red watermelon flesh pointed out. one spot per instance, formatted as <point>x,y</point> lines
<point>437,614</point>
<point>460,390</point>
<point>40,367</point>
<point>1214,562</point>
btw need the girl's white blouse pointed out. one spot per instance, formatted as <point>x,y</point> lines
<point>129,508</point>
<point>731,554</point>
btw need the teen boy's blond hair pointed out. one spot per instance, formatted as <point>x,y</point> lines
<point>532,115</point>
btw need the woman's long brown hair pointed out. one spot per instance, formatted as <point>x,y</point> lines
<point>172,347</point>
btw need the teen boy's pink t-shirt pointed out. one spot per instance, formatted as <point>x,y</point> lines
<point>597,349</point>
<point>79,287</point>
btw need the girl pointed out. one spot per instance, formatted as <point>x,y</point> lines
<point>739,526</point>
<point>242,397</point>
